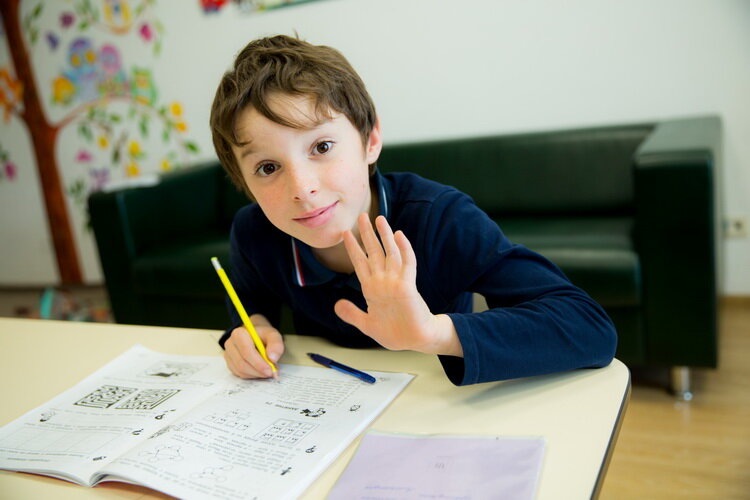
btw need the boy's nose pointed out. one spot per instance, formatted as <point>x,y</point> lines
<point>304,185</point>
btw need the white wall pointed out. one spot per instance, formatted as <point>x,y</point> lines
<point>448,69</point>
<point>439,69</point>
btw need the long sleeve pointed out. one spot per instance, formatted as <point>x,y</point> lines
<point>538,322</point>
<point>256,297</point>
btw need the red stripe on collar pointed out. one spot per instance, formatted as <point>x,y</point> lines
<point>297,265</point>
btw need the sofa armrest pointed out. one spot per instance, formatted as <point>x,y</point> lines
<point>676,234</point>
<point>131,221</point>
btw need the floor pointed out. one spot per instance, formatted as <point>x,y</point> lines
<point>666,449</point>
<point>83,303</point>
<point>696,450</point>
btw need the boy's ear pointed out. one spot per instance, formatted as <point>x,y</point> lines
<point>374,143</point>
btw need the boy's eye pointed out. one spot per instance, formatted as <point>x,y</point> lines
<point>267,169</point>
<point>323,147</point>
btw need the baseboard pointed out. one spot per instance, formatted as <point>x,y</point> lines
<point>735,299</point>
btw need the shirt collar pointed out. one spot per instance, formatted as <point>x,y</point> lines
<point>307,270</point>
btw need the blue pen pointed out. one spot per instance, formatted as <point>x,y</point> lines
<point>342,368</point>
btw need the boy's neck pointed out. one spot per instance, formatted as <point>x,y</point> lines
<point>335,258</point>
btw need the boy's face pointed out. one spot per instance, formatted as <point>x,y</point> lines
<point>311,182</point>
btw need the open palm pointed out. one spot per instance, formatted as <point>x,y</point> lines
<point>397,316</point>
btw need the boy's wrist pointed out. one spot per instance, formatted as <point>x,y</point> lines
<point>447,341</point>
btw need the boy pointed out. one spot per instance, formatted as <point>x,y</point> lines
<point>364,258</point>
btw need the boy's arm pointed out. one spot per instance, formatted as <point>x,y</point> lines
<point>254,295</point>
<point>538,321</point>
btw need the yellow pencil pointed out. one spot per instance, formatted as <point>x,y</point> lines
<point>243,314</point>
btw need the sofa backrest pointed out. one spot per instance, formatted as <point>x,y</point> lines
<point>569,172</point>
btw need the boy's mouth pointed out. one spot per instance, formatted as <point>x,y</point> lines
<point>317,217</point>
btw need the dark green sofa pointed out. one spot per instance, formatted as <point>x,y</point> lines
<point>628,212</point>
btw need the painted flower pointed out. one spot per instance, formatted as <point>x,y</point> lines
<point>67,19</point>
<point>99,178</point>
<point>146,32</point>
<point>83,156</point>
<point>166,166</point>
<point>210,6</point>
<point>181,126</point>
<point>176,108</point>
<point>134,148</point>
<point>132,169</point>
<point>10,170</point>
<point>63,90</point>
<point>52,40</point>
<point>103,141</point>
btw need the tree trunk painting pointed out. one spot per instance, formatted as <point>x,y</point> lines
<point>43,136</point>
<point>123,130</point>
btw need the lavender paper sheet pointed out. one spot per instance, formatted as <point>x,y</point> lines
<point>398,466</point>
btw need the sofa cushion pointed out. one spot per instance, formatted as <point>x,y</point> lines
<point>570,172</point>
<point>595,253</point>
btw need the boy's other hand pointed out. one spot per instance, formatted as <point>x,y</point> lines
<point>241,356</point>
<point>397,316</point>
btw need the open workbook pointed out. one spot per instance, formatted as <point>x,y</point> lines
<point>185,426</point>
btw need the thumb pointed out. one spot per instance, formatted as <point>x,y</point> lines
<point>274,343</point>
<point>350,313</point>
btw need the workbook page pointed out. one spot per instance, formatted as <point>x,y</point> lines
<point>260,439</point>
<point>81,430</point>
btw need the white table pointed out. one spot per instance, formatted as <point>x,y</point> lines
<point>578,412</point>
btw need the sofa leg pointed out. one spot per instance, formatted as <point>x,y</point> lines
<point>681,383</point>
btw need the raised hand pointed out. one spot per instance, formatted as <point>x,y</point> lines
<point>397,316</point>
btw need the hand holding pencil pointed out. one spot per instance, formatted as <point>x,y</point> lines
<point>251,351</point>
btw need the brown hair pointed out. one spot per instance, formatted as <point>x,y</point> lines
<point>286,65</point>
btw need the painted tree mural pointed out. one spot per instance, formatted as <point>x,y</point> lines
<point>119,124</point>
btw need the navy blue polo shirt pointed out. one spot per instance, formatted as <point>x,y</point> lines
<point>538,322</point>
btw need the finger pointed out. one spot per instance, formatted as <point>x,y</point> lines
<point>230,364</point>
<point>274,343</point>
<point>375,255</point>
<point>356,256</point>
<point>350,313</point>
<point>239,364</point>
<point>236,364</point>
<point>409,268</point>
<point>392,252</point>
<point>246,357</point>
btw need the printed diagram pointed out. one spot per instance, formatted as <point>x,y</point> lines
<point>57,441</point>
<point>313,413</point>
<point>216,474</point>
<point>163,414</point>
<point>285,431</point>
<point>147,399</point>
<point>107,396</point>
<point>170,428</point>
<point>46,416</point>
<point>234,419</point>
<point>173,370</point>
<point>163,453</point>
<point>235,389</point>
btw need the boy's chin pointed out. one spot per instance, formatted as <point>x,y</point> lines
<point>322,242</point>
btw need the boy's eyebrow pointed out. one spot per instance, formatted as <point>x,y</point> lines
<point>245,148</point>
